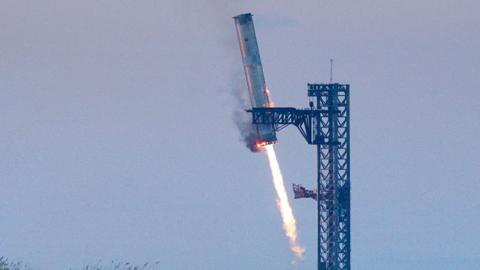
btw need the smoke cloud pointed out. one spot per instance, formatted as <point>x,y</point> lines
<point>248,133</point>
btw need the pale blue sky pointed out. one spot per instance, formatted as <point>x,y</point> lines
<point>117,139</point>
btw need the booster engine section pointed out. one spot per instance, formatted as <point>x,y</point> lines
<point>257,89</point>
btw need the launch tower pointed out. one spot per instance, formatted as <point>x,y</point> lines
<point>326,124</point>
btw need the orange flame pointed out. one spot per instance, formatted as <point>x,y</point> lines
<point>260,145</point>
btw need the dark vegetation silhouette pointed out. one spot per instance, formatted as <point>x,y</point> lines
<point>6,264</point>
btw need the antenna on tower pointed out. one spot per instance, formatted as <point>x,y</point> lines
<point>331,70</point>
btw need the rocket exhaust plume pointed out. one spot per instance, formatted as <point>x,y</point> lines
<point>286,212</point>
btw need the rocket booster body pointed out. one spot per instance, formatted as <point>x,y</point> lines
<point>257,89</point>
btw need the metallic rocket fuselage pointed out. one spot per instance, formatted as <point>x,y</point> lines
<point>257,89</point>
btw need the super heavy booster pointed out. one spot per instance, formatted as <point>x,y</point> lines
<point>257,89</point>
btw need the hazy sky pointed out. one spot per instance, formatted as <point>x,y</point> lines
<point>117,139</point>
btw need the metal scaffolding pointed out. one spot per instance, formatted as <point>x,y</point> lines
<point>325,124</point>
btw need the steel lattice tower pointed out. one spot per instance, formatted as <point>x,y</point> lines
<point>325,124</point>
<point>333,175</point>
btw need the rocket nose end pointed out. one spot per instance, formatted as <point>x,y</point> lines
<point>243,18</point>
